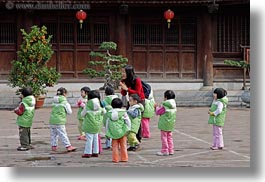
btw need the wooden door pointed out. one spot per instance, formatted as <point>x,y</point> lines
<point>161,52</point>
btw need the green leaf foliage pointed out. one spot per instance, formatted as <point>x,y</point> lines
<point>105,65</point>
<point>30,69</point>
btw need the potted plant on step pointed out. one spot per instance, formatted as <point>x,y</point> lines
<point>30,69</point>
<point>106,65</point>
<point>245,97</point>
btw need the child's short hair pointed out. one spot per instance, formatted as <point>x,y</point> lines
<point>136,97</point>
<point>85,89</point>
<point>109,91</point>
<point>26,91</point>
<point>169,94</point>
<point>116,103</point>
<point>220,92</point>
<point>61,91</point>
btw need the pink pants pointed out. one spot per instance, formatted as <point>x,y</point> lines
<point>99,144</point>
<point>218,140</point>
<point>167,142</point>
<point>145,127</point>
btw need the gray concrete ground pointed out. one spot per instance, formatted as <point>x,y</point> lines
<point>192,139</point>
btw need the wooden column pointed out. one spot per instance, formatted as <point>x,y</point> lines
<point>121,33</point>
<point>207,49</point>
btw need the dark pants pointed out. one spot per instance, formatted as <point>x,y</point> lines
<point>24,136</point>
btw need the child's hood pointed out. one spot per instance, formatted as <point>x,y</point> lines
<point>59,99</point>
<point>93,104</point>
<point>29,100</point>
<point>224,100</point>
<point>171,104</point>
<point>137,106</point>
<point>109,98</point>
<point>117,113</point>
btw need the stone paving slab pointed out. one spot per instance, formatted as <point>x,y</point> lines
<point>192,139</point>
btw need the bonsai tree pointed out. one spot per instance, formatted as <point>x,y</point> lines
<point>30,69</point>
<point>105,65</point>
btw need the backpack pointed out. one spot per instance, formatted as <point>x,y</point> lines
<point>146,88</point>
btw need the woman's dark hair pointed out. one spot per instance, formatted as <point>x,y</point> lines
<point>220,92</point>
<point>169,94</point>
<point>136,97</point>
<point>61,91</point>
<point>27,91</point>
<point>94,94</point>
<point>116,103</point>
<point>130,76</point>
<point>109,91</point>
<point>85,89</point>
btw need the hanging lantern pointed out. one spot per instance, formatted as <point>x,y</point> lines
<point>81,16</point>
<point>168,15</point>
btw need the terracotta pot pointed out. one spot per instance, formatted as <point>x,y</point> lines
<point>39,102</point>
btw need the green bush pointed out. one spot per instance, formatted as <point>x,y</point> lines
<point>30,69</point>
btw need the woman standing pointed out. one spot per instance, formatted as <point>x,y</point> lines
<point>132,84</point>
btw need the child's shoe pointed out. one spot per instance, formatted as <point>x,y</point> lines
<point>71,149</point>
<point>213,148</point>
<point>86,155</point>
<point>54,148</point>
<point>131,149</point>
<point>162,154</point>
<point>94,155</point>
<point>20,148</point>
<point>82,137</point>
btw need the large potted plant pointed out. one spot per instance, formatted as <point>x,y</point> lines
<point>106,65</point>
<point>30,69</point>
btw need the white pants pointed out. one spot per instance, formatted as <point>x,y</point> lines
<point>92,146</point>
<point>59,131</point>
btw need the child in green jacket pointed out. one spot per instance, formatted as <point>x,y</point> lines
<point>166,123</point>
<point>81,104</point>
<point>217,114</point>
<point>25,112</point>
<point>134,113</point>
<point>60,108</point>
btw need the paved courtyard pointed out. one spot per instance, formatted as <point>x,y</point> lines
<point>192,139</point>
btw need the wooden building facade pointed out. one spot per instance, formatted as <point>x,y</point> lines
<point>192,49</point>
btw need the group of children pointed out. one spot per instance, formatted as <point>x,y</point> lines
<point>121,125</point>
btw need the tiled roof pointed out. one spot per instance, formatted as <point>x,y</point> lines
<point>133,2</point>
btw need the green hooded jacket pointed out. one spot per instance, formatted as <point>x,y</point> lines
<point>218,120</point>
<point>135,120</point>
<point>93,116</point>
<point>107,104</point>
<point>26,119</point>
<point>116,123</point>
<point>58,114</point>
<point>149,109</point>
<point>168,119</point>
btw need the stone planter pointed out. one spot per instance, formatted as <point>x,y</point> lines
<point>245,97</point>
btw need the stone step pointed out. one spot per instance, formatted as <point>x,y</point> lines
<point>192,98</point>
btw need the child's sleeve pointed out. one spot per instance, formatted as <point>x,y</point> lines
<point>219,109</point>
<point>133,113</point>
<point>160,110</point>
<point>68,108</point>
<point>83,113</point>
<point>20,109</point>
<point>127,120</point>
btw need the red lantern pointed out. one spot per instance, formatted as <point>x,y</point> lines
<point>168,15</point>
<point>80,15</point>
